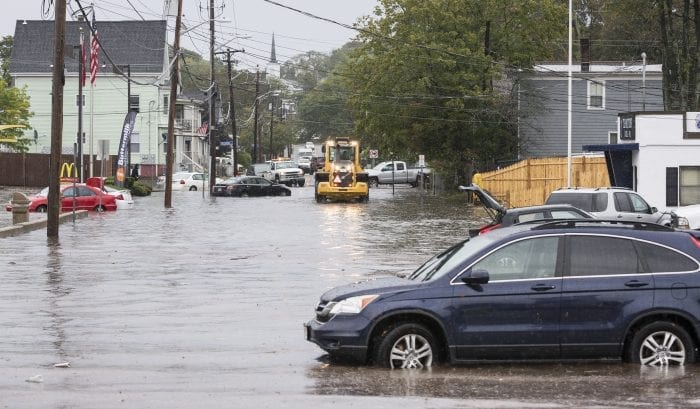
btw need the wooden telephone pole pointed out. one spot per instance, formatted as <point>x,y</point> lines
<point>232,110</point>
<point>174,75</point>
<point>58,79</point>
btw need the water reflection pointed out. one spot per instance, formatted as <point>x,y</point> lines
<point>607,384</point>
<point>55,292</point>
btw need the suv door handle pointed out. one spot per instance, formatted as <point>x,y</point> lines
<point>636,283</point>
<point>542,287</point>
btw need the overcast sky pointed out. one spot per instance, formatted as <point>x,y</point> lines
<point>246,24</point>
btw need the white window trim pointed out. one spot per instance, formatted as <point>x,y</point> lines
<point>588,94</point>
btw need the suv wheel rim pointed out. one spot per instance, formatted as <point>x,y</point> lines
<point>411,351</point>
<point>662,348</point>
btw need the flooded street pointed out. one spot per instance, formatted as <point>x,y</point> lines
<point>202,306</point>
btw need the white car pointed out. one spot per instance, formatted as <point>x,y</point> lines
<point>126,203</point>
<point>190,181</point>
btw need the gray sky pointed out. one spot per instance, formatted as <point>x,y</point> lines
<point>246,24</point>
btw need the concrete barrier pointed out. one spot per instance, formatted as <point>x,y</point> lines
<point>26,227</point>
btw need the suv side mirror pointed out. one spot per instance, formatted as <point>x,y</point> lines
<point>476,277</point>
<point>654,210</point>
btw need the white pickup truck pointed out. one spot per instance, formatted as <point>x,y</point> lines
<point>285,172</point>
<point>393,172</point>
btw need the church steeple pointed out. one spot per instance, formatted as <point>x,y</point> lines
<point>273,57</point>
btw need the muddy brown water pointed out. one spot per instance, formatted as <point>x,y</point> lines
<point>202,306</point>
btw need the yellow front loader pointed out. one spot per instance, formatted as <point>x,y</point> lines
<point>342,176</point>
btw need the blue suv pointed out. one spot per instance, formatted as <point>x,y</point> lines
<point>573,289</point>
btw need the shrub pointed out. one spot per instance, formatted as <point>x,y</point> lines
<point>139,188</point>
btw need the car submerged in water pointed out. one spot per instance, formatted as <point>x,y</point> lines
<point>244,186</point>
<point>560,290</point>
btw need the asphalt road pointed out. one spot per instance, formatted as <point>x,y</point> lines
<point>202,306</point>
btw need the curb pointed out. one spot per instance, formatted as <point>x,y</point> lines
<point>20,228</point>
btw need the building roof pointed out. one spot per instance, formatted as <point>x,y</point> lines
<point>620,68</point>
<point>140,44</point>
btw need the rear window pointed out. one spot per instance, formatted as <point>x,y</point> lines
<point>663,260</point>
<point>590,202</point>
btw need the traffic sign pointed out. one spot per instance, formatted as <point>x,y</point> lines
<point>373,154</point>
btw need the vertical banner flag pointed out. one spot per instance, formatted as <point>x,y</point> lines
<point>123,151</point>
<point>94,50</point>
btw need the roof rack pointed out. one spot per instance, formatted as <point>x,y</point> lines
<point>573,223</point>
<point>594,188</point>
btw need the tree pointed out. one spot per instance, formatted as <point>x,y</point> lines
<point>667,31</point>
<point>5,55</point>
<point>429,76</point>
<point>14,110</point>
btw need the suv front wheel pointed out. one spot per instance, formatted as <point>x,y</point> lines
<point>406,346</point>
<point>661,344</point>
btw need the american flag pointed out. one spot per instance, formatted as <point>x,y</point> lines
<point>94,50</point>
<point>202,130</point>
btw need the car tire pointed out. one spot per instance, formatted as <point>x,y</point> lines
<point>41,209</point>
<point>373,182</point>
<point>301,183</point>
<point>286,193</point>
<point>193,188</point>
<point>405,346</point>
<point>99,209</point>
<point>660,344</point>
<point>244,194</point>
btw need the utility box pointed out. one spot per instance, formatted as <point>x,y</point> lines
<point>20,208</point>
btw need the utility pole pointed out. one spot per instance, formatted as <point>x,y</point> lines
<point>212,142</point>
<point>232,110</point>
<point>58,79</point>
<point>174,75</point>
<point>255,117</point>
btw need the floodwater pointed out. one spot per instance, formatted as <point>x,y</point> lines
<point>202,306</point>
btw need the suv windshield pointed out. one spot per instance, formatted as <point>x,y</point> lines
<point>446,261</point>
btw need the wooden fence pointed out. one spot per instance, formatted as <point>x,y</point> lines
<point>32,169</point>
<point>529,182</point>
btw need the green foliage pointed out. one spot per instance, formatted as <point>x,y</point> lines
<point>14,110</point>
<point>138,188</point>
<point>423,79</point>
<point>5,54</point>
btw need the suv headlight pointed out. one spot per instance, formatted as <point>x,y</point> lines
<point>352,305</point>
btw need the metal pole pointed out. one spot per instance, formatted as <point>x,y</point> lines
<point>255,117</point>
<point>212,142</point>
<point>644,81</point>
<point>568,152</point>
<point>81,70</point>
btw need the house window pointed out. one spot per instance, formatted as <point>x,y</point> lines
<point>612,137</point>
<point>78,99</point>
<point>596,95</point>
<point>165,104</point>
<point>689,185</point>
<point>135,143</point>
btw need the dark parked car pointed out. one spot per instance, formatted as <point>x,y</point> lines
<point>585,289</point>
<point>503,217</point>
<point>243,186</point>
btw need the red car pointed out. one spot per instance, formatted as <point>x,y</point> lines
<point>85,197</point>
